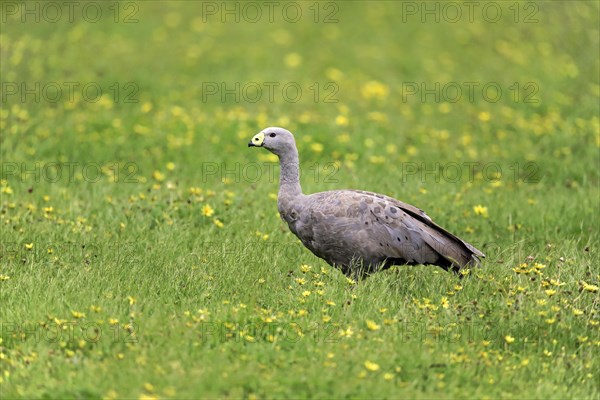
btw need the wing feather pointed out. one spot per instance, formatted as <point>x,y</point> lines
<point>346,225</point>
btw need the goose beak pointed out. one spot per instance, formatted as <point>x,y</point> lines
<point>257,140</point>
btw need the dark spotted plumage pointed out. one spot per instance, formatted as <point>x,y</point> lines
<point>360,232</point>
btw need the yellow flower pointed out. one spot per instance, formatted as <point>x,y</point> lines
<point>481,210</point>
<point>372,326</point>
<point>305,268</point>
<point>509,339</point>
<point>28,246</point>
<point>388,376</point>
<point>110,395</point>
<point>195,191</point>
<point>334,74</point>
<point>158,176</point>
<point>316,147</point>
<point>371,366</point>
<point>577,312</point>
<point>377,159</point>
<point>170,166</point>
<point>306,293</point>
<point>207,210</point>
<point>484,116</point>
<point>377,116</point>
<point>146,107</point>
<point>341,120</point>
<point>374,89</point>
<point>348,332</point>
<point>445,302</point>
<point>148,387</point>
<point>589,288</point>
<point>444,108</point>
<point>293,60</point>
<point>218,223</point>
<point>550,292</point>
<point>77,314</point>
<point>177,111</point>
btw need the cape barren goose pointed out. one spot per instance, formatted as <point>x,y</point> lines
<point>357,231</point>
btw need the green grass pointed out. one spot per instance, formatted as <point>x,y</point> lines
<point>118,281</point>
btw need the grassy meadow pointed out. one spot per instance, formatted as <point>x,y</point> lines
<point>142,255</point>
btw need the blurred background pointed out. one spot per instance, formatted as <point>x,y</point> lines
<point>506,93</point>
<point>129,196</point>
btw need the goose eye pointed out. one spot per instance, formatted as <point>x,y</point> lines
<point>272,135</point>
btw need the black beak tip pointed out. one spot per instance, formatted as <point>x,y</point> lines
<point>250,144</point>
